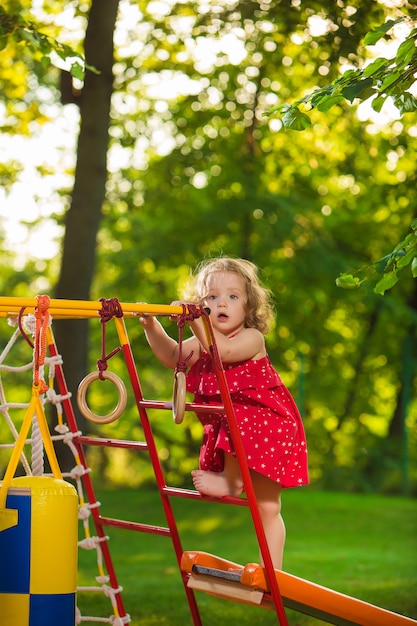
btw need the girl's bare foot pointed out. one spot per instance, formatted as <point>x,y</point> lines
<point>215,484</point>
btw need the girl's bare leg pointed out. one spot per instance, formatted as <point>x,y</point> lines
<point>268,498</point>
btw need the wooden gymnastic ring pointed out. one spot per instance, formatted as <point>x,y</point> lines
<point>82,401</point>
<point>178,397</point>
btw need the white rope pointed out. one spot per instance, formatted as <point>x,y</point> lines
<point>29,323</point>
<point>37,449</point>
<point>56,399</point>
<point>9,345</point>
<point>14,368</point>
<point>68,437</point>
<point>4,407</point>
<point>91,543</point>
<point>113,620</point>
<point>37,452</point>
<point>29,442</point>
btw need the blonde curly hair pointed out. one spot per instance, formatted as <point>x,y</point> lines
<point>259,307</point>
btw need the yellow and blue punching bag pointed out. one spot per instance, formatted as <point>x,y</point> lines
<point>38,556</point>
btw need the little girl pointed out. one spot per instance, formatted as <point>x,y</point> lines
<point>268,420</point>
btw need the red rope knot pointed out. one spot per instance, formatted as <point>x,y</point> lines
<point>110,307</point>
<point>194,312</point>
<point>101,366</point>
<point>43,305</point>
<point>182,365</point>
<point>102,363</point>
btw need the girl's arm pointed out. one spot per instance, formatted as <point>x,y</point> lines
<point>164,347</point>
<point>246,344</point>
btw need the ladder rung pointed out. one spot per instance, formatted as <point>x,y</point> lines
<point>111,443</point>
<point>137,526</point>
<point>189,406</point>
<point>196,495</point>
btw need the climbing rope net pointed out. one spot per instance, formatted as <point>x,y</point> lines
<point>34,328</point>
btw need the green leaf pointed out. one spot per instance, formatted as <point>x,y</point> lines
<point>381,265</point>
<point>372,37</point>
<point>356,88</point>
<point>414,267</point>
<point>347,76</point>
<point>317,96</point>
<point>373,67</point>
<point>93,69</point>
<point>294,119</point>
<point>391,77</point>
<point>348,281</point>
<point>29,37</point>
<point>406,102</point>
<point>45,61</point>
<point>405,51</point>
<point>386,282</point>
<point>77,70</point>
<point>377,33</point>
<point>276,109</point>
<point>367,93</point>
<point>378,103</point>
<point>405,260</point>
<point>327,102</point>
<point>410,239</point>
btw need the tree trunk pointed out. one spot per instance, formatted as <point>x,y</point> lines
<point>85,212</point>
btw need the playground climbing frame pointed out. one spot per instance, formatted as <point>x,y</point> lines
<point>69,309</point>
<point>256,585</point>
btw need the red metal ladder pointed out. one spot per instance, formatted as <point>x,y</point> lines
<point>167,493</point>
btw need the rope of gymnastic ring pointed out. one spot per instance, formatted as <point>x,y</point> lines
<point>110,307</point>
<point>179,390</point>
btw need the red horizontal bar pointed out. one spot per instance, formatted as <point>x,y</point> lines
<point>137,526</point>
<point>189,406</point>
<point>196,495</point>
<point>112,443</point>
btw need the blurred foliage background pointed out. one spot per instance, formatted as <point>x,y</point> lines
<point>164,155</point>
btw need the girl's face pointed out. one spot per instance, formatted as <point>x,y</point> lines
<point>226,299</point>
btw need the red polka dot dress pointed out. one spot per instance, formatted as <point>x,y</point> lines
<point>270,425</point>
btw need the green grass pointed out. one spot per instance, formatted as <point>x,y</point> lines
<point>361,545</point>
